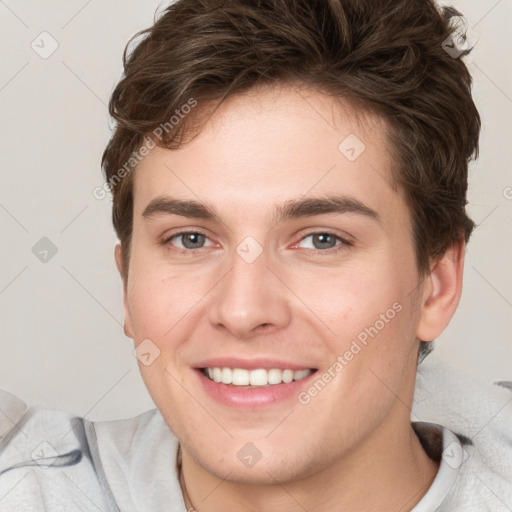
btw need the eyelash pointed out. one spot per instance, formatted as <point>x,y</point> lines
<point>190,252</point>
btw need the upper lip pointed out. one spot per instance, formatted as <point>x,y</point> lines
<point>251,364</point>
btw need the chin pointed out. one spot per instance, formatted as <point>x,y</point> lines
<point>267,470</point>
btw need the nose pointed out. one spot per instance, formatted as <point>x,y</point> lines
<point>250,299</point>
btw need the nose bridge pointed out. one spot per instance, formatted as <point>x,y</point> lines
<point>249,295</point>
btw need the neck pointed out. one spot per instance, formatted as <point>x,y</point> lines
<point>391,471</point>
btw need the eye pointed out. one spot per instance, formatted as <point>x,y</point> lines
<point>324,241</point>
<point>188,240</point>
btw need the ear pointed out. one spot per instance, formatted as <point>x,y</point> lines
<point>441,293</point>
<point>118,255</point>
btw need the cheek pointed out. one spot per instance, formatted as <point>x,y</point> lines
<point>159,312</point>
<point>159,300</point>
<point>148,309</point>
<point>347,300</point>
<point>376,343</point>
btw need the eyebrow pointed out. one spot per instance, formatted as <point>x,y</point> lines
<point>292,209</point>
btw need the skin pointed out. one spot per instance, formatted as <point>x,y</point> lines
<point>352,446</point>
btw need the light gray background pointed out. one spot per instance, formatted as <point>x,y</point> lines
<point>62,342</point>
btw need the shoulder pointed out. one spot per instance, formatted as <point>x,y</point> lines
<point>45,461</point>
<point>54,460</point>
<point>481,417</point>
<point>35,437</point>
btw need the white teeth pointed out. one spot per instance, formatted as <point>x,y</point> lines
<point>287,376</point>
<point>300,374</point>
<point>275,376</point>
<point>240,377</point>
<point>217,374</point>
<point>258,377</point>
<point>226,376</point>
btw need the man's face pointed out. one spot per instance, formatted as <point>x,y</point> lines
<point>271,282</point>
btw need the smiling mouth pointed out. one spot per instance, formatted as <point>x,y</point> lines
<point>260,377</point>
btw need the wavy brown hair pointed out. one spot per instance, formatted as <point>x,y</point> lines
<point>384,56</point>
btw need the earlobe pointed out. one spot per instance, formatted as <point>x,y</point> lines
<point>118,255</point>
<point>442,291</point>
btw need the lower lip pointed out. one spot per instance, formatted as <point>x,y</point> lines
<point>252,398</point>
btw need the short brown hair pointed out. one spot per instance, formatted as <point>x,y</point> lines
<point>385,55</point>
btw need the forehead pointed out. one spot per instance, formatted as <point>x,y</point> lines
<point>271,144</point>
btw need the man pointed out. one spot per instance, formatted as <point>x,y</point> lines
<point>289,187</point>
